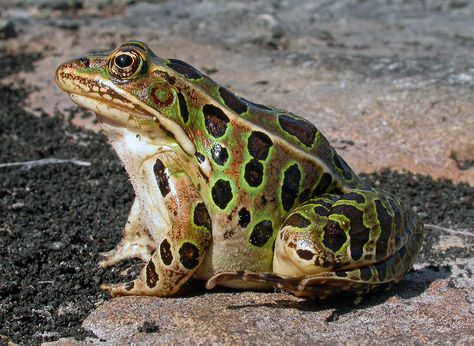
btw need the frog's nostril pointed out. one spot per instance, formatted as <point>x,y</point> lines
<point>84,61</point>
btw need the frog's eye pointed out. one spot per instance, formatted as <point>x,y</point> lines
<point>126,64</point>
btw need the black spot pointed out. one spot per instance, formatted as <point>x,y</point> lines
<point>244,217</point>
<point>341,274</point>
<point>342,165</point>
<point>402,252</point>
<point>290,187</point>
<point>324,151</point>
<point>232,101</point>
<point>261,232</point>
<point>297,220</point>
<point>382,270</point>
<point>298,127</point>
<point>161,177</point>
<point>323,185</point>
<point>189,255</point>
<point>184,68</point>
<point>202,217</point>
<point>151,274</point>
<point>253,173</point>
<point>162,74</point>
<point>358,232</point>
<point>165,252</point>
<point>305,254</point>
<point>219,154</point>
<point>334,236</point>
<point>200,157</point>
<point>259,145</point>
<point>365,273</point>
<point>183,108</point>
<point>215,120</point>
<point>385,220</point>
<point>129,285</point>
<point>221,193</point>
<point>321,210</point>
<point>257,105</point>
<point>354,196</point>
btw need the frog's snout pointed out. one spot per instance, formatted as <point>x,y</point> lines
<point>64,73</point>
<point>67,75</point>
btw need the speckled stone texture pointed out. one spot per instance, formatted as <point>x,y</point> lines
<point>390,83</point>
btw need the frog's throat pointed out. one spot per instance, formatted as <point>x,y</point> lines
<point>114,112</point>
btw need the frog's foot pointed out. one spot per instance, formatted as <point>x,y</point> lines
<point>156,278</point>
<point>322,285</point>
<point>134,287</point>
<point>357,281</point>
<point>278,281</point>
<point>139,247</point>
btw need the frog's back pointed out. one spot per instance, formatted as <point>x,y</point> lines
<point>296,136</point>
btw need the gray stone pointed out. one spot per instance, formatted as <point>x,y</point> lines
<point>7,29</point>
<point>420,312</point>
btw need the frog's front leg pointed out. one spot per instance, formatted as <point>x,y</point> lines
<point>136,242</point>
<point>181,249</point>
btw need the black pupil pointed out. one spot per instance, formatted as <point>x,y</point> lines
<point>123,60</point>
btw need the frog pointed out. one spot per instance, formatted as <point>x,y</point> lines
<point>232,192</point>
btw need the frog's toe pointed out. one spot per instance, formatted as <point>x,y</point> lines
<point>123,288</point>
<point>126,251</point>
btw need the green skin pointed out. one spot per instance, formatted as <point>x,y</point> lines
<point>233,192</point>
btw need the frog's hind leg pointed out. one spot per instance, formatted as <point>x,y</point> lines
<point>327,284</point>
<point>341,244</point>
<point>136,242</point>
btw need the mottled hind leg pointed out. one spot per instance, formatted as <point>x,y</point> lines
<point>341,244</point>
<point>136,242</point>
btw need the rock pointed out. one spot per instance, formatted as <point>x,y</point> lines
<point>418,312</point>
<point>7,29</point>
<point>62,5</point>
<point>66,23</point>
<point>104,3</point>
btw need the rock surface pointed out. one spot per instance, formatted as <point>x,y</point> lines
<point>389,83</point>
<point>438,314</point>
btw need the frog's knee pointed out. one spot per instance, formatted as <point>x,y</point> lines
<point>298,247</point>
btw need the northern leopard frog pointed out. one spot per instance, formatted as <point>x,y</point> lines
<point>234,192</point>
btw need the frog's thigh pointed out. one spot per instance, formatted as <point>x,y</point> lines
<point>364,236</point>
<point>136,242</point>
<point>181,250</point>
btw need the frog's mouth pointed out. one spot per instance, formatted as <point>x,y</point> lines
<point>117,108</point>
<point>113,113</point>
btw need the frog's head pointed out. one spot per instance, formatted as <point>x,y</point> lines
<point>129,87</point>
